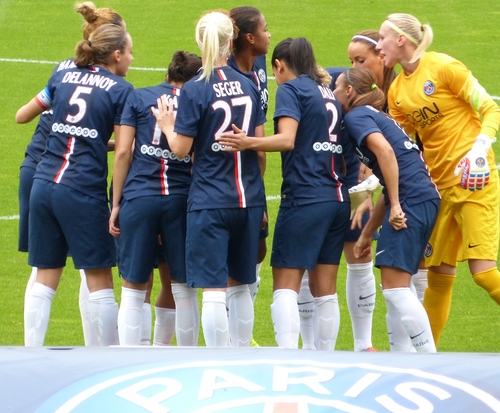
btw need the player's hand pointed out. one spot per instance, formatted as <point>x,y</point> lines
<point>363,246</point>
<point>164,113</point>
<point>397,217</point>
<point>114,228</point>
<point>474,166</point>
<point>234,141</point>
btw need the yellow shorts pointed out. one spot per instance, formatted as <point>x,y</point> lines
<point>467,226</point>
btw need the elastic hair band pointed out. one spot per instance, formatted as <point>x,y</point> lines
<point>366,38</point>
<point>374,86</point>
<point>397,29</point>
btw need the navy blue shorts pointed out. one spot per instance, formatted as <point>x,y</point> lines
<point>264,232</point>
<point>311,234</point>
<point>142,220</point>
<point>404,249</point>
<point>62,218</point>
<point>26,175</point>
<point>222,243</point>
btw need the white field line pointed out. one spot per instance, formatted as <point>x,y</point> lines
<point>145,69</point>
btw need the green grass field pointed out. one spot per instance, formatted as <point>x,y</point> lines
<point>37,34</point>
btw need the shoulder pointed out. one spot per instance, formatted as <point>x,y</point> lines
<point>335,72</point>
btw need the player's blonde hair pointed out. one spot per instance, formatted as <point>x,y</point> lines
<point>214,33</point>
<point>96,17</point>
<point>419,34</point>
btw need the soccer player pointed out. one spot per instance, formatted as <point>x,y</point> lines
<point>226,199</point>
<point>456,120</point>
<point>408,206</point>
<point>68,203</point>
<point>248,57</point>
<point>150,200</point>
<point>314,210</point>
<point>94,17</point>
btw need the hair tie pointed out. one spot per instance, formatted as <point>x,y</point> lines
<point>373,86</point>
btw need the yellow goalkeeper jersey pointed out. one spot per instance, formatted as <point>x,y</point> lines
<point>444,104</point>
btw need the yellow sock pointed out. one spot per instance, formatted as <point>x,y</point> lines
<point>437,301</point>
<point>490,281</point>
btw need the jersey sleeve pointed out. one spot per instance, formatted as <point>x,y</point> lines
<point>287,103</point>
<point>189,112</point>
<point>129,114</point>
<point>467,87</point>
<point>359,125</point>
<point>44,99</point>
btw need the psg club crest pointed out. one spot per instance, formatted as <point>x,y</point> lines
<point>262,75</point>
<point>428,250</point>
<point>480,162</point>
<point>429,88</point>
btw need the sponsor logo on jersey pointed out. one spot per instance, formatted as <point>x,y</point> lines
<point>75,130</point>
<point>425,115</point>
<point>269,386</point>
<point>327,147</point>
<point>162,153</point>
<point>429,88</point>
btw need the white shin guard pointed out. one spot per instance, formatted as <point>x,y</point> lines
<point>285,315</point>
<point>187,314</point>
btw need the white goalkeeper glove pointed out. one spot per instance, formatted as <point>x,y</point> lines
<point>474,166</point>
<point>360,192</point>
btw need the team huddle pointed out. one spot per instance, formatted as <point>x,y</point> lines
<point>188,196</point>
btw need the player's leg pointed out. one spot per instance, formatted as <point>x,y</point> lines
<point>241,260</point>
<point>164,330</point>
<point>305,302</point>
<point>47,249</point>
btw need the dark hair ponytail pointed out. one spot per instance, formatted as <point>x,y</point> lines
<point>183,67</point>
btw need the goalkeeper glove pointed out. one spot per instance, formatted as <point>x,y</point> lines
<point>359,193</point>
<point>474,166</point>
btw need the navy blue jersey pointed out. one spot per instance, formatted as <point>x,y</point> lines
<point>206,110</point>
<point>415,184</point>
<point>38,141</point>
<point>335,72</point>
<point>314,170</point>
<point>154,170</point>
<point>86,103</point>
<point>258,76</point>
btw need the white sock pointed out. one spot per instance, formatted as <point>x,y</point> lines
<point>37,313</point>
<point>241,315</point>
<point>413,317</point>
<point>187,314</point>
<point>328,316</point>
<point>214,319</point>
<point>305,302</point>
<point>164,326</point>
<point>89,336</point>
<point>254,287</point>
<point>285,315</point>
<point>147,320</point>
<point>130,316</point>
<point>419,280</point>
<point>361,294</point>
<point>399,340</point>
<point>103,316</point>
<point>31,281</point>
